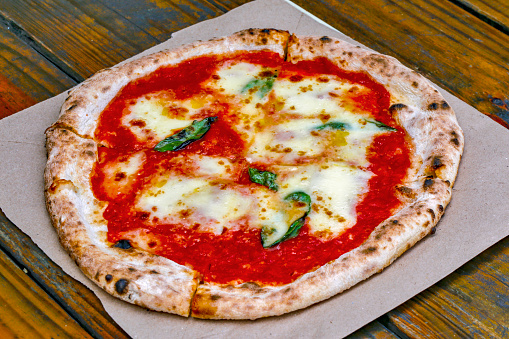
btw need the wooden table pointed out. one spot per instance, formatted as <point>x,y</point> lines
<point>48,46</point>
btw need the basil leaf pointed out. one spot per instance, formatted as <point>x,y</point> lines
<point>186,136</point>
<point>266,87</point>
<point>381,125</point>
<point>301,197</point>
<point>264,178</point>
<point>334,125</point>
<point>267,233</point>
<point>263,85</point>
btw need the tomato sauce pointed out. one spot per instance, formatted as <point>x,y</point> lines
<point>237,255</point>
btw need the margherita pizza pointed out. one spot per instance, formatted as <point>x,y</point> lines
<point>250,175</point>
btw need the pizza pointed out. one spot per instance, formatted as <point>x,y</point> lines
<point>250,175</point>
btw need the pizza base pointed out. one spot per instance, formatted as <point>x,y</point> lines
<point>160,284</point>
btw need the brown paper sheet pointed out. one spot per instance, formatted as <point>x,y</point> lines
<point>477,217</point>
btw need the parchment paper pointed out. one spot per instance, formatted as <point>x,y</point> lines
<point>477,217</point>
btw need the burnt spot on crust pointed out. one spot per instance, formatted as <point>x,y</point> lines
<point>433,106</point>
<point>156,61</point>
<point>120,286</point>
<point>215,297</point>
<point>251,286</point>
<point>396,108</point>
<point>436,163</point>
<point>428,183</point>
<point>445,105</point>
<point>440,208</point>
<point>433,230</point>
<point>154,272</point>
<point>406,191</point>
<point>454,139</point>
<point>325,39</point>
<point>415,84</point>
<point>369,250</point>
<point>265,30</point>
<point>70,108</point>
<point>108,277</point>
<point>431,212</point>
<point>132,269</point>
<point>123,244</point>
<point>105,89</point>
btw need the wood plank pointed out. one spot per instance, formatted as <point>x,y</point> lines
<point>495,13</point>
<point>76,299</point>
<point>25,76</point>
<point>26,311</point>
<point>93,35</point>
<point>471,302</point>
<point>373,330</point>
<point>448,45</point>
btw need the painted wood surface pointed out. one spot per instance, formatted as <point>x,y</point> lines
<point>48,46</point>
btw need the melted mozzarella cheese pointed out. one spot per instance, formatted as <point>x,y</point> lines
<point>289,137</point>
<point>334,188</point>
<point>121,174</point>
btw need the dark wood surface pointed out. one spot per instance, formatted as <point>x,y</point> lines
<point>48,46</point>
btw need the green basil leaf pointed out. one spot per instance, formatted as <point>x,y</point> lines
<point>263,85</point>
<point>334,125</point>
<point>264,178</point>
<point>266,87</point>
<point>301,197</point>
<point>186,136</point>
<point>267,233</point>
<point>381,125</point>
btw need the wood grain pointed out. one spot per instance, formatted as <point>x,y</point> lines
<point>373,330</point>
<point>77,300</point>
<point>471,302</point>
<point>84,37</point>
<point>448,45</point>
<point>26,311</point>
<point>494,12</point>
<point>25,76</point>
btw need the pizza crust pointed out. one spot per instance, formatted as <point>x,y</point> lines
<point>130,274</point>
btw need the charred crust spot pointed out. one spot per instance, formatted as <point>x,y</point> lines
<point>415,84</point>
<point>215,297</point>
<point>445,105</point>
<point>108,277</point>
<point>251,31</point>
<point>70,108</point>
<point>123,244</point>
<point>397,107</point>
<point>455,141</point>
<point>120,286</point>
<point>407,191</point>
<point>154,272</point>
<point>105,89</point>
<point>448,183</point>
<point>431,212</point>
<point>433,106</point>
<point>395,222</point>
<point>325,39</point>
<point>132,269</point>
<point>250,285</point>
<point>433,230</point>
<point>440,207</point>
<point>156,61</point>
<point>90,154</point>
<point>437,162</point>
<point>369,250</point>
<point>265,30</point>
<point>286,290</point>
<point>428,183</point>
